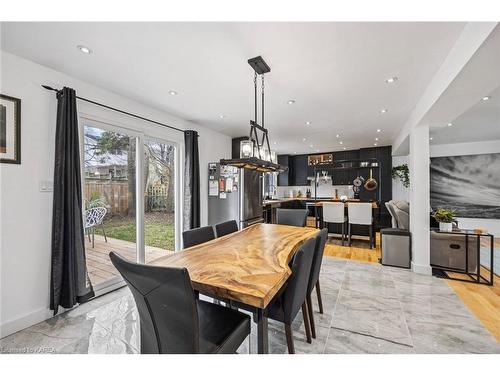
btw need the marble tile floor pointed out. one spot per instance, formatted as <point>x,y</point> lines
<point>368,308</point>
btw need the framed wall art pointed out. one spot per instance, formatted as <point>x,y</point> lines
<point>10,130</point>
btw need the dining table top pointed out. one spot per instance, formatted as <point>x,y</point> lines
<point>248,266</point>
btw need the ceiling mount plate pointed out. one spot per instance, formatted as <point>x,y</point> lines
<point>259,65</point>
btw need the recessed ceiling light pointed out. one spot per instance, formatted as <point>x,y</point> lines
<point>311,146</point>
<point>291,101</point>
<point>308,122</point>
<point>274,142</point>
<point>222,116</point>
<point>383,111</point>
<point>338,135</point>
<point>391,80</point>
<point>173,93</point>
<point>450,124</point>
<point>84,49</point>
<point>379,130</point>
<point>341,142</point>
<point>317,150</point>
<point>304,139</point>
<point>430,139</point>
<point>345,148</point>
<point>376,139</point>
<point>485,98</point>
<point>295,152</point>
<point>375,144</point>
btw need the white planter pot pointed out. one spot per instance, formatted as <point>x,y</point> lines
<point>445,227</point>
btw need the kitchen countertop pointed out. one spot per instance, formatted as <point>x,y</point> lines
<point>319,200</point>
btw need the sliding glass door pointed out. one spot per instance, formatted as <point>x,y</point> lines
<point>129,191</point>
<point>159,198</point>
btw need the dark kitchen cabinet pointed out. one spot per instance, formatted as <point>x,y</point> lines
<point>299,170</point>
<point>284,177</point>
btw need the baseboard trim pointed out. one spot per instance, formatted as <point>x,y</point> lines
<point>423,269</point>
<point>15,325</point>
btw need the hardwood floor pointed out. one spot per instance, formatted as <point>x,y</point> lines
<point>482,300</point>
<point>359,251</point>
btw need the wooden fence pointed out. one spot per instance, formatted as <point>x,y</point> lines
<point>115,194</point>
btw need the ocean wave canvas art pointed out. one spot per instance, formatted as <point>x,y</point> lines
<point>468,184</point>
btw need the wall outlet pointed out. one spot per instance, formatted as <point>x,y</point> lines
<point>46,186</point>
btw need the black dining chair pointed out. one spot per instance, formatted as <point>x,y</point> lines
<point>319,249</point>
<point>172,320</point>
<point>198,235</point>
<point>226,227</point>
<point>290,216</point>
<point>292,297</point>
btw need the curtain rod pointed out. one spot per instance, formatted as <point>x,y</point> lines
<point>118,110</point>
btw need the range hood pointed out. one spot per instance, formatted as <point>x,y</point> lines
<point>258,155</point>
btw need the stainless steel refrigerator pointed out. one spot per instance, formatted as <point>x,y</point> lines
<point>234,194</point>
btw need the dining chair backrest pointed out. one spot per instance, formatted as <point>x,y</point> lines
<point>226,227</point>
<point>290,216</point>
<point>319,249</point>
<point>296,285</point>
<point>360,213</point>
<point>333,212</point>
<point>166,304</point>
<point>196,236</point>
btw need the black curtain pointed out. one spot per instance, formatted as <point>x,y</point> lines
<point>191,181</point>
<point>70,283</point>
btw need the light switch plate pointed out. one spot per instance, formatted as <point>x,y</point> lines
<point>46,186</point>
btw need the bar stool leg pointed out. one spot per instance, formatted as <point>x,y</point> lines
<point>349,230</point>
<point>370,228</point>
<point>343,230</point>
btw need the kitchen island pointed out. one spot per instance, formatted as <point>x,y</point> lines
<point>270,206</point>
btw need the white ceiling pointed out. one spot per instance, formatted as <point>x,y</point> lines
<point>479,123</point>
<point>336,72</point>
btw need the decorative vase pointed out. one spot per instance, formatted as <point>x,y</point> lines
<point>445,227</point>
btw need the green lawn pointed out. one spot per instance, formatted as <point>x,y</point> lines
<point>158,228</point>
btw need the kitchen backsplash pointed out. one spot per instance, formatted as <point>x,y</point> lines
<point>323,190</point>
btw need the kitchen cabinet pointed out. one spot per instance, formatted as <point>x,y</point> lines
<point>299,171</point>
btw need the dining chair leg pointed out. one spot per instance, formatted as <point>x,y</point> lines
<point>289,339</point>
<point>320,301</point>
<point>305,316</point>
<point>311,316</point>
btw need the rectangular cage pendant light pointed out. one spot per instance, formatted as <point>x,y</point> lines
<point>256,153</point>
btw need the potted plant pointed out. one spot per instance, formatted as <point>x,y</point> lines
<point>445,219</point>
<point>403,173</point>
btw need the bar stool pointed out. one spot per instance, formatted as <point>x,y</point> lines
<point>360,214</point>
<point>334,212</point>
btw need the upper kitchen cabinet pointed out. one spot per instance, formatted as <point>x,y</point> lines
<point>284,177</point>
<point>299,170</point>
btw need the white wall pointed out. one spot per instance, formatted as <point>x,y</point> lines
<point>399,192</point>
<point>25,213</point>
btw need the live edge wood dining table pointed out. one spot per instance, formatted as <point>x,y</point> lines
<point>248,267</point>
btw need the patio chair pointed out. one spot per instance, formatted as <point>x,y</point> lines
<point>93,218</point>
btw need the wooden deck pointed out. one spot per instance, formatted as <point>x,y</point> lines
<point>99,265</point>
